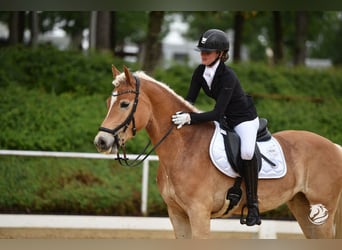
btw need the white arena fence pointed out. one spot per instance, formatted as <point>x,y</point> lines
<point>145,167</point>
<point>268,229</point>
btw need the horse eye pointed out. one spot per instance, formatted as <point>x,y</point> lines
<point>124,104</point>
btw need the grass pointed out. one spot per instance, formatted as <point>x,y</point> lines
<point>73,186</point>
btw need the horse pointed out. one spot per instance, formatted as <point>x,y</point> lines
<point>193,189</point>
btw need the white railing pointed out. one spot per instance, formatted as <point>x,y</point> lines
<point>145,167</point>
<point>268,229</point>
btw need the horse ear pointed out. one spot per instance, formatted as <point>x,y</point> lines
<point>115,71</point>
<point>129,76</point>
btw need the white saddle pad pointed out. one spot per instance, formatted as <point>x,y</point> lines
<point>271,149</point>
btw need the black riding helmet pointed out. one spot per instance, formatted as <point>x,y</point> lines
<point>213,40</point>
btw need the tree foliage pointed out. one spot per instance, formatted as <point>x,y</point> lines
<point>321,37</point>
<point>322,33</point>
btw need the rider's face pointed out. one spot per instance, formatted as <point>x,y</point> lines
<point>208,57</point>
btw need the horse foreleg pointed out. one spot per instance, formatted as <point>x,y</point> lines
<point>196,225</point>
<point>200,224</point>
<point>180,222</point>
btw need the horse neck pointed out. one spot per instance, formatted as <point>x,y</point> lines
<point>163,104</point>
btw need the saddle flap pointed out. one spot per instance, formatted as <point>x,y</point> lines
<point>232,146</point>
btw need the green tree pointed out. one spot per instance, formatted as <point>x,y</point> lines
<point>73,22</point>
<point>201,21</point>
<point>104,31</point>
<point>16,27</point>
<point>152,53</point>
<point>278,42</point>
<point>328,37</point>
<point>129,27</point>
<point>287,33</point>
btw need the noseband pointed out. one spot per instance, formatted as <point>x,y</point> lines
<point>130,117</point>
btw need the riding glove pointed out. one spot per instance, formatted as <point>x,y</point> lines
<point>181,118</point>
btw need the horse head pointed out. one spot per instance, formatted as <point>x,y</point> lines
<point>120,124</point>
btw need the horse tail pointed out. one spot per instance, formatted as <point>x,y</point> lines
<point>338,215</point>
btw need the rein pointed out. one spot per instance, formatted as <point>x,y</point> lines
<point>125,124</point>
<point>124,161</point>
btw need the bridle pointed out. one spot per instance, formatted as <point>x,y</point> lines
<point>130,117</point>
<point>125,124</point>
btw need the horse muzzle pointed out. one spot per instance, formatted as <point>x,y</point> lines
<point>106,143</point>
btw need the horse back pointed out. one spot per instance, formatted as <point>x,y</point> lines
<point>314,156</point>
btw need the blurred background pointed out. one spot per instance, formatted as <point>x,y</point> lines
<point>297,38</point>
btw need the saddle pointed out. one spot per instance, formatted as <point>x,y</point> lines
<point>232,144</point>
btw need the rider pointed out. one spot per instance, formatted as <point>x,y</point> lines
<point>232,104</point>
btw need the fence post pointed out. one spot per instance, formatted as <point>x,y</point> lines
<point>144,187</point>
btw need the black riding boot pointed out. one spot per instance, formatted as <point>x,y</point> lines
<point>250,172</point>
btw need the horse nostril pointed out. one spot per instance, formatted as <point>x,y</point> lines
<point>101,143</point>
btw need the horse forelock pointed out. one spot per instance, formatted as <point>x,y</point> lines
<point>118,79</point>
<point>141,74</point>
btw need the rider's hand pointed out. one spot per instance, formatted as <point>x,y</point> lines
<point>181,118</point>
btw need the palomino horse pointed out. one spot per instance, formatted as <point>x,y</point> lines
<point>193,189</point>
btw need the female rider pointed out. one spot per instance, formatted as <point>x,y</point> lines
<point>232,104</point>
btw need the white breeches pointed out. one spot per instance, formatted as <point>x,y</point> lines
<point>247,132</point>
